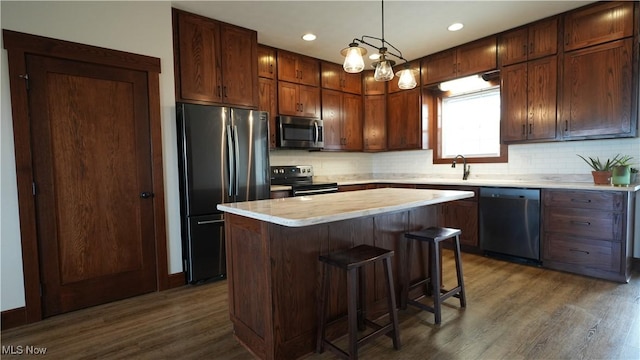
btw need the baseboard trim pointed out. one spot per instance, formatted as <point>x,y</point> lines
<point>13,318</point>
<point>177,280</point>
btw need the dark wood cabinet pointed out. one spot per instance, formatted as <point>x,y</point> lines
<point>334,77</point>
<point>268,102</point>
<point>215,62</point>
<point>527,43</point>
<point>528,95</point>
<point>298,68</point>
<point>374,128</point>
<point>404,125</point>
<point>472,58</point>
<point>298,100</point>
<point>279,194</point>
<point>599,23</point>
<point>353,187</point>
<point>266,62</point>
<point>598,87</point>
<point>342,117</point>
<point>587,232</point>
<point>371,86</point>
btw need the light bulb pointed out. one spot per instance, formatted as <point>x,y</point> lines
<point>406,79</point>
<point>353,61</point>
<point>384,71</point>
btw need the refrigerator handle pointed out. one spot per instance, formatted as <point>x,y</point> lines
<point>231,162</point>
<point>237,159</point>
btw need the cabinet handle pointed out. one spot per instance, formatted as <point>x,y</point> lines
<point>566,125</point>
<point>578,250</point>
<point>454,68</point>
<point>524,49</point>
<point>523,132</point>
<point>587,201</point>
<point>224,91</point>
<point>585,223</point>
<point>219,91</point>
<point>531,48</point>
<point>530,128</point>
<point>301,107</point>
<point>270,68</point>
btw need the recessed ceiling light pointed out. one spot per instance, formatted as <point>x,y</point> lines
<point>455,27</point>
<point>309,37</point>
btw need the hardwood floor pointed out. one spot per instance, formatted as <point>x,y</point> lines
<point>513,312</point>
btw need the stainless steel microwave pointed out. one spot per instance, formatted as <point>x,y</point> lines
<point>299,133</point>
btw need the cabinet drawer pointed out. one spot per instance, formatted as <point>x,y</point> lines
<point>588,223</point>
<point>598,200</point>
<point>596,254</point>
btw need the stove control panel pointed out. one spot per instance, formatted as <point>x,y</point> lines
<point>288,172</point>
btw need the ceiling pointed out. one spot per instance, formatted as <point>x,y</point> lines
<point>416,28</point>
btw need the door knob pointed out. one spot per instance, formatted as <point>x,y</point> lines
<point>146,195</point>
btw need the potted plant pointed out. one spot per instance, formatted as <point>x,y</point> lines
<point>602,172</point>
<point>621,172</point>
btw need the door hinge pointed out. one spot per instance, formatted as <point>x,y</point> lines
<point>26,79</point>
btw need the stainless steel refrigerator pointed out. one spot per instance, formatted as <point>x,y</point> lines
<point>223,157</point>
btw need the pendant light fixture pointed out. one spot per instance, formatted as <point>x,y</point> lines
<point>354,63</point>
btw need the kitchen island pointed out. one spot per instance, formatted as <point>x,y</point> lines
<point>272,259</point>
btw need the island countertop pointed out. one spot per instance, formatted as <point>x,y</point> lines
<point>317,209</point>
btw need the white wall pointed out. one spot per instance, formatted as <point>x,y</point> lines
<point>138,27</point>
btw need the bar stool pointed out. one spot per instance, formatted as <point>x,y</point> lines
<point>433,236</point>
<point>352,261</point>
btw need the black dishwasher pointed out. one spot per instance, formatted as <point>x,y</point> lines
<point>510,223</point>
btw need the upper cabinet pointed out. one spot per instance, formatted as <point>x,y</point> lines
<point>403,120</point>
<point>603,22</point>
<point>334,77</point>
<point>298,68</point>
<point>530,42</point>
<point>371,86</point>
<point>298,100</point>
<point>472,58</point>
<point>215,62</point>
<point>342,118</point>
<point>266,62</point>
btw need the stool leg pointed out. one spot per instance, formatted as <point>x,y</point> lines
<point>435,280</point>
<point>322,308</point>
<point>362,299</point>
<point>352,312</point>
<point>405,282</point>
<point>458,257</point>
<point>391,300</point>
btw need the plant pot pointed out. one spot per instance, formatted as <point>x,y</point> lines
<point>621,175</point>
<point>601,177</point>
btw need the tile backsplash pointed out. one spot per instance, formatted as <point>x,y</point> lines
<point>525,159</point>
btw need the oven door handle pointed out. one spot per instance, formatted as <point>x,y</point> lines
<point>315,191</point>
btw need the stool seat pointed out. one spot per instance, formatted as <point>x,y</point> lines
<point>433,236</point>
<point>352,261</point>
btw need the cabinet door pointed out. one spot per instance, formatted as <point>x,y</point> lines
<point>403,121</point>
<point>331,111</point>
<point>266,62</point>
<point>239,66</point>
<point>309,98</point>
<point>198,40</point>
<point>543,38</point>
<point>597,87</point>
<point>308,71</point>
<point>476,57</point>
<point>371,86</point>
<point>463,215</point>
<point>352,121</point>
<point>439,67</point>
<point>375,126</point>
<point>268,103</point>
<point>513,94</point>
<point>288,103</point>
<point>513,46</point>
<point>352,83</point>
<point>541,85</point>
<point>606,21</point>
<point>330,76</point>
<point>287,66</point>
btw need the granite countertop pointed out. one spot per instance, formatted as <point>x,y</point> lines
<point>506,182</point>
<point>317,209</point>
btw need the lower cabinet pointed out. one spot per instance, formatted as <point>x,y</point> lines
<point>461,214</point>
<point>588,232</point>
<point>278,194</point>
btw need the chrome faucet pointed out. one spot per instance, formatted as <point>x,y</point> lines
<point>466,169</point>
